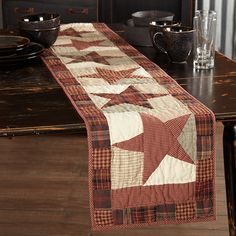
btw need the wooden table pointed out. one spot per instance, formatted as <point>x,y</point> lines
<point>31,102</point>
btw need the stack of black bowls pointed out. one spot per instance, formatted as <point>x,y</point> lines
<point>41,28</point>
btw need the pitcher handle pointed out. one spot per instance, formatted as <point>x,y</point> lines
<point>159,41</point>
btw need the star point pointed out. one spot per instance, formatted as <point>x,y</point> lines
<point>112,76</point>
<point>130,95</point>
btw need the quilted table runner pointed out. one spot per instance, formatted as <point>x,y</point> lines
<point>151,144</point>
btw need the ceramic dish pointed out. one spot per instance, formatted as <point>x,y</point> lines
<point>143,18</point>
<point>11,42</point>
<point>27,53</point>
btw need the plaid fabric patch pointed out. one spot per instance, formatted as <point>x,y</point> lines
<point>206,170</point>
<point>165,212</point>
<point>100,137</point>
<point>184,98</point>
<point>143,62</point>
<point>204,125</point>
<point>205,147</point>
<point>126,168</point>
<point>102,179</point>
<point>118,216</point>
<point>175,90</point>
<point>185,211</point>
<point>204,190</point>
<point>205,208</point>
<point>129,51</point>
<point>77,90</point>
<point>56,65</point>
<point>103,217</point>
<point>143,215</point>
<point>102,198</point>
<point>66,78</point>
<point>101,158</point>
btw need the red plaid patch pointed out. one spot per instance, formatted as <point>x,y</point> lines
<point>129,51</point>
<point>56,65</point>
<point>184,98</point>
<point>100,137</point>
<point>185,211</point>
<point>143,215</point>
<point>205,170</point>
<point>175,90</point>
<point>205,147</point>
<point>205,208</point>
<point>166,212</point>
<point>204,190</point>
<point>76,90</point>
<point>204,125</point>
<point>102,179</point>
<point>101,158</point>
<point>118,216</point>
<point>103,217</point>
<point>145,63</point>
<point>102,199</point>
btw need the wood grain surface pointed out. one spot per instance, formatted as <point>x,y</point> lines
<point>43,191</point>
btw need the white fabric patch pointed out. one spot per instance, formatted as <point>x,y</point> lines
<point>172,171</point>
<point>64,50</point>
<point>61,40</point>
<point>116,89</point>
<point>167,108</point>
<point>123,126</point>
<point>78,26</point>
<point>98,48</point>
<point>151,88</point>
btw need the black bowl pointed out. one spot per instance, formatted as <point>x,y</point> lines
<point>143,18</point>
<point>46,37</point>
<point>39,21</point>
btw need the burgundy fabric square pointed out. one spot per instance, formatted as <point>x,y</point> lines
<point>102,199</point>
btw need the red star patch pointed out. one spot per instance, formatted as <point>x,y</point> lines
<point>131,95</point>
<point>80,45</point>
<point>72,32</point>
<point>158,140</point>
<point>112,76</point>
<point>92,56</point>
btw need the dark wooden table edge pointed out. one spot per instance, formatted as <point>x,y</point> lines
<point>40,130</point>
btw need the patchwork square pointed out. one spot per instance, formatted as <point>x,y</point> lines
<point>102,179</point>
<point>103,217</point>
<point>186,211</point>
<point>166,212</point>
<point>101,158</point>
<point>143,215</point>
<point>102,199</point>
